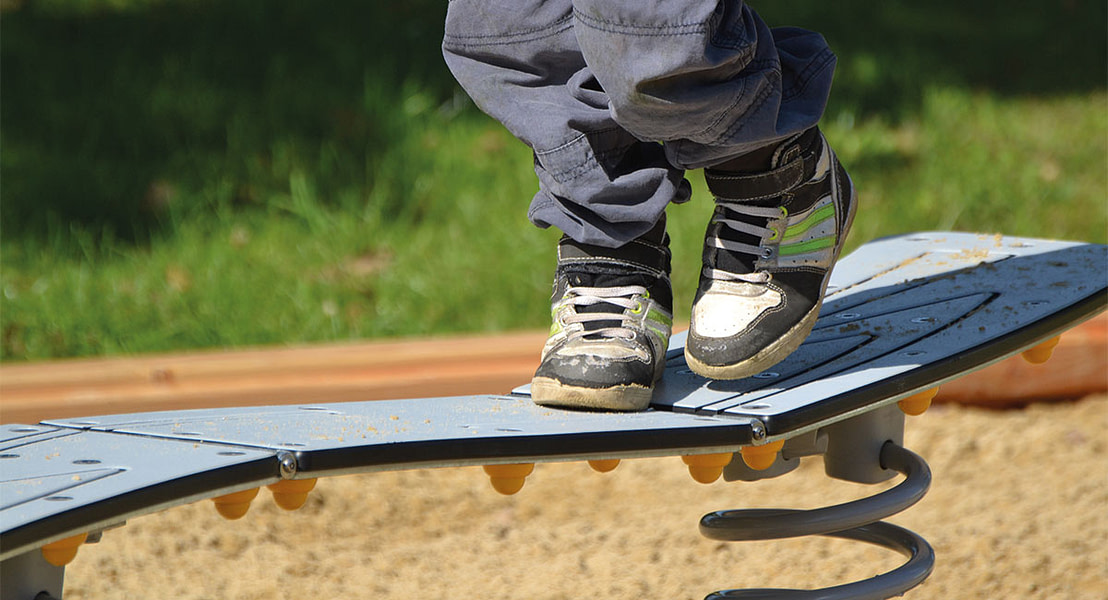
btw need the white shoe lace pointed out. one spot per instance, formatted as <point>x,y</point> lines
<point>623,296</point>
<point>733,246</point>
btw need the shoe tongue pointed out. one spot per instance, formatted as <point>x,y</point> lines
<point>606,279</point>
<point>729,189</point>
<point>724,260</point>
<point>604,274</point>
<point>650,250</point>
<point>644,261</point>
<point>761,188</point>
<point>602,279</point>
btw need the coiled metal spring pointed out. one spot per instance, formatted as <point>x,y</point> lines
<point>858,520</point>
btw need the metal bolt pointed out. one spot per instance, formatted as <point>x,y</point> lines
<point>288,464</point>
<point>757,430</point>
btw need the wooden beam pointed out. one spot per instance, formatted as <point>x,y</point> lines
<point>327,373</point>
<point>379,370</point>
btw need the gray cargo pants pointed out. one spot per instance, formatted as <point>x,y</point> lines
<point>618,97</point>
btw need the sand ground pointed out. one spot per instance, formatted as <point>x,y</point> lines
<point>1018,509</point>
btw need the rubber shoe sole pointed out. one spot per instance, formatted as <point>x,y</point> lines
<point>622,398</point>
<point>764,359</point>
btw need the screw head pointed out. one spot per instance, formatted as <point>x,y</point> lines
<point>757,430</point>
<point>288,464</point>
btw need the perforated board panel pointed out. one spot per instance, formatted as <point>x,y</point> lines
<point>63,482</point>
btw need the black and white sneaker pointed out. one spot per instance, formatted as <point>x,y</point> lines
<point>768,253</point>
<point>612,313</point>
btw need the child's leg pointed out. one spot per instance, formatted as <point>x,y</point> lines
<point>605,189</point>
<point>724,91</point>
<point>519,61</point>
<point>707,77</point>
<point>713,83</point>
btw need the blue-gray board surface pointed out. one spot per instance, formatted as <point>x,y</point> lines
<point>907,313</point>
<point>111,468</point>
<point>67,481</point>
<point>903,314</point>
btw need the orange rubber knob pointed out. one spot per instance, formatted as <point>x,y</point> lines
<point>605,465</point>
<point>918,403</point>
<point>508,479</point>
<point>291,494</point>
<point>706,468</point>
<point>63,551</point>
<point>761,457</point>
<point>1041,353</point>
<point>234,506</point>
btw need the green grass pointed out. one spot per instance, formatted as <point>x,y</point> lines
<point>193,174</point>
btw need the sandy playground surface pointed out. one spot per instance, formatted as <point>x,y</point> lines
<point>1018,509</point>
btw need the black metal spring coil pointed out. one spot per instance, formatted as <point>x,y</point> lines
<point>858,520</point>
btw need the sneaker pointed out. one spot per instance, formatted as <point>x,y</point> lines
<point>768,253</point>
<point>612,312</point>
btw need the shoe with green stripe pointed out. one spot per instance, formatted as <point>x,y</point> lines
<point>612,312</point>
<point>768,253</point>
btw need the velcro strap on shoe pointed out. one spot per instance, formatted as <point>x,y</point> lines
<point>754,187</point>
<point>637,252</point>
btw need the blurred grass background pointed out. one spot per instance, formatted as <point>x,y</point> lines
<point>182,174</point>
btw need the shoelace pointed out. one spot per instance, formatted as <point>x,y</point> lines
<point>762,212</point>
<point>623,296</point>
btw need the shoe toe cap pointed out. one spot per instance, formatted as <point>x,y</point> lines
<point>597,371</point>
<point>726,310</point>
